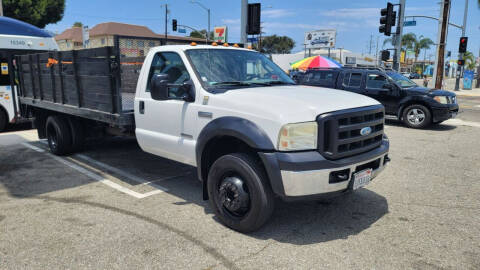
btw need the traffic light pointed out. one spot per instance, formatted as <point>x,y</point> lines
<point>174,25</point>
<point>461,62</point>
<point>385,55</point>
<point>462,48</point>
<point>253,20</point>
<point>387,19</point>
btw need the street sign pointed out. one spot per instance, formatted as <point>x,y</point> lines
<point>320,39</point>
<point>220,34</point>
<point>252,40</point>
<point>409,23</point>
<point>182,30</point>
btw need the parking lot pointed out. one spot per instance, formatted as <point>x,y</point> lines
<point>114,206</point>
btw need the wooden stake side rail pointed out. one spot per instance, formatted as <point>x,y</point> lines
<point>86,83</point>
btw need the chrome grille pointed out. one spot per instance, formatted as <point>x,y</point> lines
<point>340,132</point>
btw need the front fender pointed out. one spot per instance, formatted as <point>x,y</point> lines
<point>239,128</point>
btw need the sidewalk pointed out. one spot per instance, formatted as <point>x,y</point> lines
<point>475,92</point>
<point>450,86</point>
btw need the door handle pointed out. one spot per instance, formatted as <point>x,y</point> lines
<point>141,108</point>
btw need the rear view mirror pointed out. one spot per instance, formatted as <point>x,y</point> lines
<point>159,86</point>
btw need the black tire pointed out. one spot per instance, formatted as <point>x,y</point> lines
<point>254,183</point>
<point>59,135</point>
<point>417,116</point>
<point>78,134</point>
<point>3,120</point>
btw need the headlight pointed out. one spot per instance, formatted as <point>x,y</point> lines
<point>441,99</point>
<point>299,136</point>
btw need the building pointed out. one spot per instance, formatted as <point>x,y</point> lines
<point>133,40</point>
<point>70,39</point>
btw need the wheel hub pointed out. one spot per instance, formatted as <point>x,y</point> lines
<point>416,116</point>
<point>233,195</point>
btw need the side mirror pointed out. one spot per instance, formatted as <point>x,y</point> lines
<point>189,92</point>
<point>388,86</point>
<point>159,86</point>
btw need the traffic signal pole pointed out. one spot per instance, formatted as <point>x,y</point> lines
<point>460,55</point>
<point>398,36</point>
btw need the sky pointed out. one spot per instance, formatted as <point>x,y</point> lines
<point>356,21</point>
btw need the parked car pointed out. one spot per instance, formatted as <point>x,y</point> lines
<point>414,75</point>
<point>251,132</point>
<point>403,99</point>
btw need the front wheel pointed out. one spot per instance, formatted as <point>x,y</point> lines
<point>239,192</point>
<point>417,116</point>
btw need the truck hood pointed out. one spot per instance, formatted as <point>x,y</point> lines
<point>291,103</point>
<point>431,92</point>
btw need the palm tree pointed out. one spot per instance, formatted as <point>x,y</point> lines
<point>423,43</point>
<point>469,60</point>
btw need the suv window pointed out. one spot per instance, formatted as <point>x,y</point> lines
<point>169,63</point>
<point>352,79</point>
<point>376,81</point>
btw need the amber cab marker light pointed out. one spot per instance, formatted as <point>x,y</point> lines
<point>225,44</point>
<point>193,44</point>
<point>236,45</point>
<point>214,44</point>
<point>249,47</point>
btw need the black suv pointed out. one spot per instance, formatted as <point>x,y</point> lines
<point>403,99</point>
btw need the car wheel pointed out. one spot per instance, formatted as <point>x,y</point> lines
<point>239,192</point>
<point>417,116</point>
<point>59,135</point>
<point>3,120</point>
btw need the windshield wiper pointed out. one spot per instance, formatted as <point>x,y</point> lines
<point>276,82</point>
<point>239,83</point>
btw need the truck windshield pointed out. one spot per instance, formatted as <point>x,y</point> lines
<point>229,69</point>
<point>401,80</point>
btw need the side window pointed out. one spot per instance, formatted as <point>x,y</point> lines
<point>376,81</point>
<point>169,63</point>
<point>346,79</point>
<point>355,80</point>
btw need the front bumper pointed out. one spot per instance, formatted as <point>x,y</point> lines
<point>307,175</point>
<point>444,112</point>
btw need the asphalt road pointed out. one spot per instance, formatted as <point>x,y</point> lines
<point>114,206</point>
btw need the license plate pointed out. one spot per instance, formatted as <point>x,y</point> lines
<point>362,178</point>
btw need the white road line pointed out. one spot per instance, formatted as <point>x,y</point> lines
<point>95,176</point>
<point>122,173</point>
<point>477,106</point>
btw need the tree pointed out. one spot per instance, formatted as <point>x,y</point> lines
<point>36,12</point>
<point>469,60</point>
<point>277,44</point>
<point>422,44</point>
<point>410,42</point>
<point>201,34</point>
<point>77,24</point>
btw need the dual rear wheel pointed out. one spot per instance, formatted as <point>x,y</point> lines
<point>65,135</point>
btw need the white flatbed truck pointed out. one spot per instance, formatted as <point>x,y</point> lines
<point>251,132</point>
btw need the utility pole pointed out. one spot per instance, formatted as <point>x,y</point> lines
<point>370,45</point>
<point>441,39</point>
<point>243,22</point>
<point>398,36</point>
<point>166,21</point>
<point>1,8</point>
<point>460,55</point>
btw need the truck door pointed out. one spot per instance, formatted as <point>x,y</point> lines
<point>352,81</point>
<point>165,127</point>
<point>376,87</point>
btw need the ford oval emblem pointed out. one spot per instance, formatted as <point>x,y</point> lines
<point>365,131</point>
